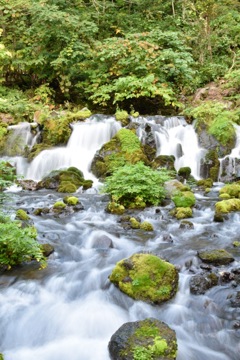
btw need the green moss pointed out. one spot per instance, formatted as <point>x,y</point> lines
<point>22,215</point>
<point>213,163</point>
<point>233,190</point>
<point>224,196</point>
<point>183,213</point>
<point>134,223</point>
<point>166,161</point>
<point>1,357</point>
<point>183,199</point>
<point>236,243</point>
<point>36,149</point>
<point>152,279</point>
<point>205,183</point>
<point>87,184</point>
<point>147,226</point>
<point>71,200</point>
<point>226,206</point>
<point>67,187</point>
<point>115,208</point>
<point>184,172</point>
<point>216,257</point>
<point>59,205</point>
<point>81,114</point>
<point>122,116</point>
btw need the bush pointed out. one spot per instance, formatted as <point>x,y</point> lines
<point>7,175</point>
<point>18,245</point>
<point>136,181</point>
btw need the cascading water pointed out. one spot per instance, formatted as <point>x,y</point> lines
<point>70,310</point>
<point>87,137</point>
<point>230,164</point>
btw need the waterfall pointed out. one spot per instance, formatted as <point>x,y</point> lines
<point>230,164</point>
<point>86,138</point>
<point>175,137</point>
<point>22,136</point>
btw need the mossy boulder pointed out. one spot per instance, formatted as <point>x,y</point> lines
<point>173,186</point>
<point>236,243</point>
<point>115,208</point>
<point>226,206</point>
<point>135,224</point>
<point>224,196</point>
<point>47,249</point>
<point>146,277</point>
<point>146,226</point>
<point>123,117</point>
<point>211,165</point>
<point>183,199</point>
<point>184,172</point>
<point>22,215</point>
<point>182,213</point>
<point>148,339</point>
<point>164,161</point>
<point>205,183</point>
<point>233,190</point>
<point>59,205</point>
<point>216,257</point>
<point>65,181</point>
<point>71,200</point>
<point>124,148</point>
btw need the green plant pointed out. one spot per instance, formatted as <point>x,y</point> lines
<point>18,245</point>
<point>7,175</point>
<point>132,181</point>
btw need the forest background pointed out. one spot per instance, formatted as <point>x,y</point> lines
<point>149,56</point>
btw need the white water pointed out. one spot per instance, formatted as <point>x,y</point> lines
<point>179,139</point>
<point>22,134</point>
<point>87,137</point>
<point>231,169</point>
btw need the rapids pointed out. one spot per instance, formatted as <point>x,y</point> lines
<point>70,309</point>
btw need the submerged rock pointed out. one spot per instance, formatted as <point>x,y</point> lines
<point>216,257</point>
<point>102,242</point>
<point>146,339</point>
<point>151,279</point>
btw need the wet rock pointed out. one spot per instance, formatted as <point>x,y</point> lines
<point>102,242</point>
<point>146,339</point>
<point>236,325</point>
<point>226,276</point>
<point>47,249</point>
<point>185,224</point>
<point>167,238</point>
<point>216,257</point>
<point>218,217</point>
<point>153,279</point>
<point>234,299</point>
<point>28,184</point>
<point>164,161</point>
<point>199,284</point>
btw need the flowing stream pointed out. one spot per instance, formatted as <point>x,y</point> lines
<point>70,309</point>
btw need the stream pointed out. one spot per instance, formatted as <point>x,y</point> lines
<point>70,310</point>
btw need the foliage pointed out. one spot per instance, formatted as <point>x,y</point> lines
<point>183,198</point>
<point>132,181</point>
<point>18,245</point>
<point>7,175</point>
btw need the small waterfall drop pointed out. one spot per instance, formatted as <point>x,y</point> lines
<point>230,164</point>
<point>175,137</point>
<point>22,136</point>
<point>87,137</point>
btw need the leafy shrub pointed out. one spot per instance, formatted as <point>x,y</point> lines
<point>7,175</point>
<point>18,245</point>
<point>136,181</point>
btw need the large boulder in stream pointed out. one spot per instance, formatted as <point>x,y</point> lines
<point>216,257</point>
<point>146,339</point>
<point>146,277</point>
<point>65,181</point>
<point>123,148</point>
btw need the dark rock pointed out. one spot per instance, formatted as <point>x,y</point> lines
<point>218,217</point>
<point>47,249</point>
<point>216,257</point>
<point>226,276</point>
<point>199,284</point>
<point>150,336</point>
<point>235,299</point>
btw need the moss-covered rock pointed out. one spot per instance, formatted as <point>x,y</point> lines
<point>146,226</point>
<point>205,183</point>
<point>22,215</point>
<point>36,149</point>
<point>148,339</point>
<point>224,196</point>
<point>182,213</point>
<point>1,357</point>
<point>123,117</point>
<point>166,161</point>
<point>65,181</point>
<point>236,243</point>
<point>226,206</point>
<point>71,200</point>
<point>216,257</point>
<point>47,249</point>
<point>134,223</point>
<point>115,208</point>
<point>59,205</point>
<point>183,199</point>
<point>173,186</point>
<point>146,277</point>
<point>184,172</point>
<point>233,190</point>
<point>124,148</point>
<point>211,165</point>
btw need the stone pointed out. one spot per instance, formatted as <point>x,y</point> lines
<point>199,284</point>
<point>216,257</point>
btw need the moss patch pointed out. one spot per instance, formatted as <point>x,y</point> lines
<point>22,215</point>
<point>183,199</point>
<point>146,277</point>
<point>233,190</point>
<point>226,206</point>
<point>216,257</point>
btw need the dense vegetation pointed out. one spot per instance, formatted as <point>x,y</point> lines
<point>105,54</point>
